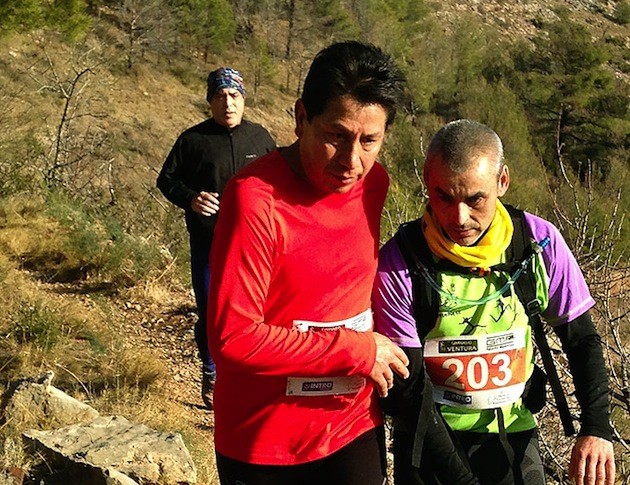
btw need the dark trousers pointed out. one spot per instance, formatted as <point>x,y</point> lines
<point>485,455</point>
<point>361,462</point>
<point>200,272</point>
<point>489,462</point>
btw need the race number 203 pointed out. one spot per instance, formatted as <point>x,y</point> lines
<point>479,372</point>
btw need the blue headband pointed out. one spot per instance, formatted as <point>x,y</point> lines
<point>225,77</point>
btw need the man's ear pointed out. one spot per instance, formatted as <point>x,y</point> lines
<point>504,181</point>
<point>300,118</point>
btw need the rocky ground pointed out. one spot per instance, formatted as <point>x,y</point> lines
<point>165,328</point>
<point>169,331</point>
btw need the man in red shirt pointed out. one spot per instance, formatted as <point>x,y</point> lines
<point>294,258</point>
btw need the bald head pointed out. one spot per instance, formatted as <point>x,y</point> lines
<point>459,144</point>
<point>465,175</point>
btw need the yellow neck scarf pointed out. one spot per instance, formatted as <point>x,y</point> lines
<point>484,254</point>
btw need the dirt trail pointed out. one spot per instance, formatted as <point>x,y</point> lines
<point>167,328</point>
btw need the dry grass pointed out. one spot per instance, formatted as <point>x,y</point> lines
<point>93,362</point>
<point>94,341</point>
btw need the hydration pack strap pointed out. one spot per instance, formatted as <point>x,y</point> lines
<point>533,311</point>
<point>525,288</point>
<point>426,415</point>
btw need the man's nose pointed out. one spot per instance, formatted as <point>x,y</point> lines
<point>350,155</point>
<point>462,213</point>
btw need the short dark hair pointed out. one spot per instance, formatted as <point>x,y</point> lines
<point>362,71</point>
<point>458,144</point>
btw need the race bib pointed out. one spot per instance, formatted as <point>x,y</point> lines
<point>477,372</point>
<point>359,323</point>
<point>324,386</point>
<point>329,386</point>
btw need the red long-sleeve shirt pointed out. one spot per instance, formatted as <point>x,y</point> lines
<point>283,252</point>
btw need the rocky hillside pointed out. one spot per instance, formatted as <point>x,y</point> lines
<point>520,18</point>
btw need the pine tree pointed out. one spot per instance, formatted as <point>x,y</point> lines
<point>576,104</point>
<point>22,16</point>
<point>70,17</point>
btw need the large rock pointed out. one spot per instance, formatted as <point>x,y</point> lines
<point>116,446</point>
<point>35,402</point>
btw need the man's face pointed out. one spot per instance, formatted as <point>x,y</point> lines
<point>464,204</point>
<point>339,147</point>
<point>227,106</point>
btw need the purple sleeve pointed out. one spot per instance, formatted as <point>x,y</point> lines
<point>392,299</point>
<point>569,296</point>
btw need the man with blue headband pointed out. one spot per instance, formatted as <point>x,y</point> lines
<point>193,177</point>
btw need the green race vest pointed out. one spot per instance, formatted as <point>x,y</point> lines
<point>480,356</point>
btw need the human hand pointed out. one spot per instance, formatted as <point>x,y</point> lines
<point>206,203</point>
<point>389,359</point>
<point>592,461</point>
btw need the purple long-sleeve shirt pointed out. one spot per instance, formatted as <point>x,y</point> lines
<point>392,299</point>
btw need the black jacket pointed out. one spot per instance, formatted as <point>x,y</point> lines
<point>204,158</point>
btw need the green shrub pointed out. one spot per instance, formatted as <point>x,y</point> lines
<point>187,74</point>
<point>96,245</point>
<point>622,13</point>
<point>22,15</point>
<point>18,172</point>
<point>37,324</point>
<point>67,16</point>
<point>129,258</point>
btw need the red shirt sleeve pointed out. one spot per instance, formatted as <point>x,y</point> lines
<point>243,333</point>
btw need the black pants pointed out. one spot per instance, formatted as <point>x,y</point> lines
<point>484,453</point>
<point>200,274</point>
<point>361,462</point>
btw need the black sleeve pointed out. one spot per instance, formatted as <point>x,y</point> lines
<point>422,442</point>
<point>170,180</point>
<point>270,142</point>
<point>404,396</point>
<point>582,344</point>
